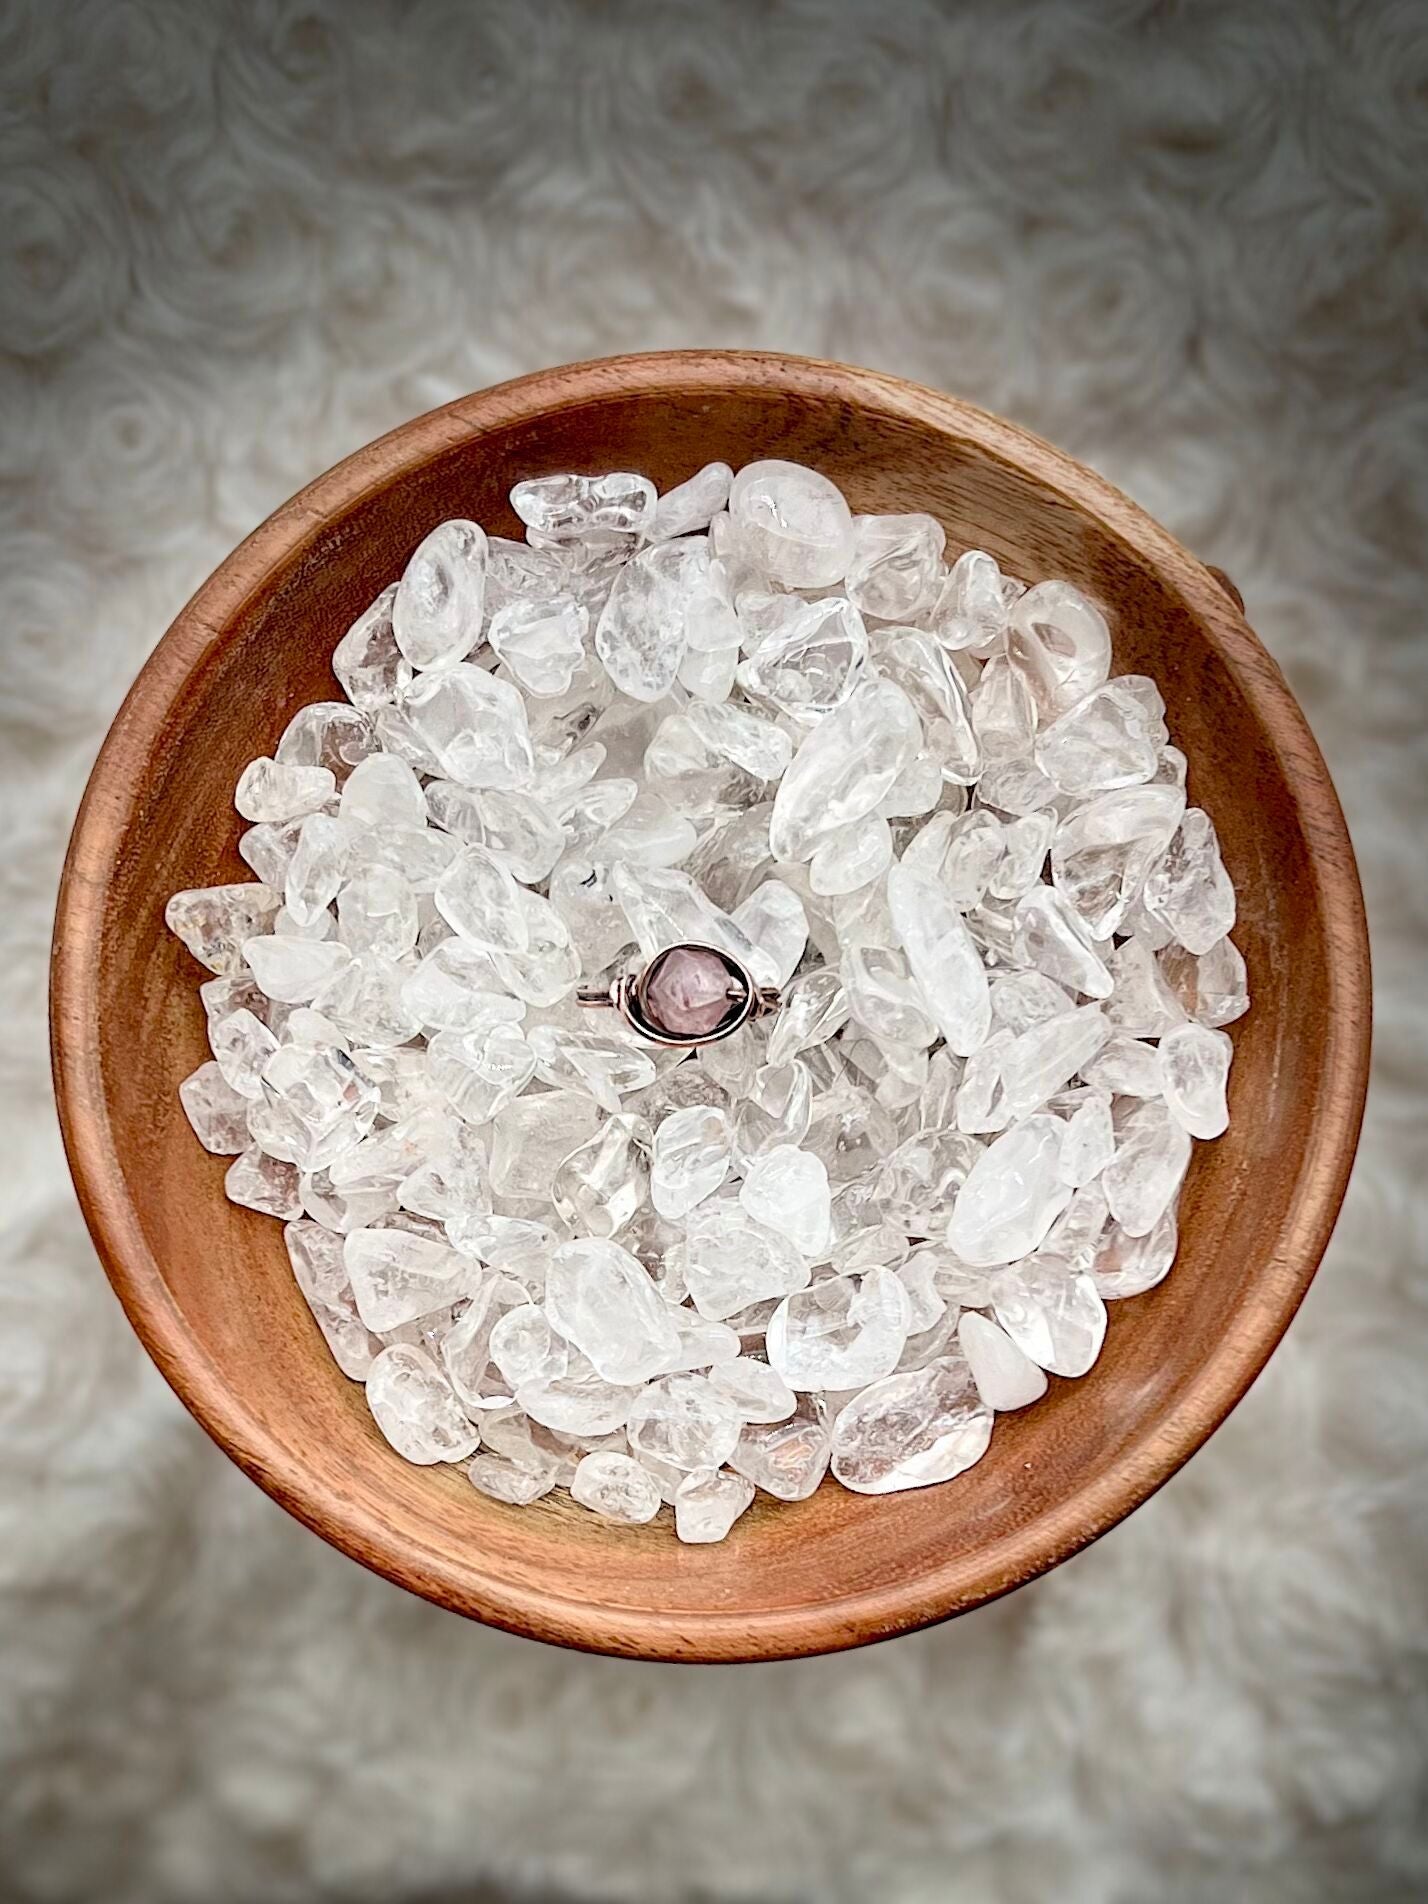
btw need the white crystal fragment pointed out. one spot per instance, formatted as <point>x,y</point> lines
<point>1005,1377</point>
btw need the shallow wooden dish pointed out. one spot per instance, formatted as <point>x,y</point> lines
<point>207,1285</point>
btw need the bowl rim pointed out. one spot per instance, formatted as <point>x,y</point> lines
<point>957,1585</point>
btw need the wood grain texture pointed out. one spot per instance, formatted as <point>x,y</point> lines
<point>207,1285</point>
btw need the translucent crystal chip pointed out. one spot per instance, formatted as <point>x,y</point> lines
<point>707,1504</point>
<point>600,1298</point>
<point>368,662</point>
<point>414,1406</point>
<point>321,1275</point>
<point>592,509</point>
<point>1005,1377</point>
<point>616,1487</point>
<point>685,1421</point>
<point>912,1430</point>
<point>840,1332</point>
<point>1052,1313</point>
<point>601,1186</point>
<point>943,958</point>
<point>810,660</point>
<point>294,971</point>
<point>1059,644</point>
<point>1101,853</point>
<point>264,1183</point>
<point>691,1159</point>
<point>327,734</point>
<point>786,1189</point>
<point>541,642</point>
<point>692,504</point>
<point>474,725</point>
<point>270,792</point>
<point>793,523</point>
<point>397,1277</point>
<point>1104,741</point>
<point>787,1458</point>
<point>1188,889</point>
<point>1152,1153</point>
<point>215,922</point>
<point>758,1392</point>
<point>216,1109</point>
<point>1195,1065</point>
<point>732,1261</point>
<point>844,768</point>
<point>436,614</point>
<point>1012,1195</point>
<point>895,564</point>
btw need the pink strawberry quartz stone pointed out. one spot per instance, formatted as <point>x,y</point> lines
<point>687,993</point>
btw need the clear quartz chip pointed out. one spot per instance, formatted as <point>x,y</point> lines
<point>691,1159</point>
<point>943,959</point>
<point>792,523</point>
<point>684,1421</point>
<point>397,1277</point>
<point>787,1458</point>
<point>1152,1153</point>
<point>368,661</point>
<point>414,1406</point>
<point>436,613</point>
<point>272,793</point>
<point>1195,1064</point>
<point>912,1430</point>
<point>809,662</point>
<point>474,725</point>
<point>542,643</point>
<point>844,768</point>
<point>707,1504</point>
<point>601,1299</point>
<point>732,1261</point>
<point>589,509</point>
<point>895,564</point>
<point>1059,644</point>
<point>1005,1377</point>
<point>1012,1195</point>
<point>215,922</point>
<point>840,1332</point>
<point>216,1109</point>
<point>1052,1313</point>
<point>615,1487</point>
<point>692,504</point>
<point>786,1189</point>
<point>264,1183</point>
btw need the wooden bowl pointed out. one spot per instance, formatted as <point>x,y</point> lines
<point>207,1285</point>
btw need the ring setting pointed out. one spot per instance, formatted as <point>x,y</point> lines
<point>686,996</point>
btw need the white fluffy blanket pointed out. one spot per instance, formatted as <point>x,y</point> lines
<point>237,241</point>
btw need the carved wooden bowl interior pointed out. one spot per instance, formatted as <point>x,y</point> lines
<point>207,1285</point>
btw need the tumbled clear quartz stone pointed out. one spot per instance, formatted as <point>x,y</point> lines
<point>436,615</point>
<point>793,523</point>
<point>1152,1153</point>
<point>1195,1066</point>
<point>787,1458</point>
<point>541,642</point>
<point>216,1109</point>
<point>215,922</point>
<point>707,1504</point>
<point>397,1277</point>
<point>600,1297</point>
<point>732,1261</point>
<point>691,1159</point>
<point>590,509</point>
<point>474,725</point>
<point>271,792</point>
<point>368,660</point>
<point>912,1430</point>
<point>414,1406</point>
<point>1012,1195</point>
<point>685,1421</point>
<point>840,1332</point>
<point>616,1487</point>
<point>1052,1313</point>
<point>1005,1377</point>
<point>786,1189</point>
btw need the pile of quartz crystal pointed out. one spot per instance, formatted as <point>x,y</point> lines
<point>909,794</point>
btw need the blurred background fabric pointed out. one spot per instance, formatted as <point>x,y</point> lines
<point>1187,243</point>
